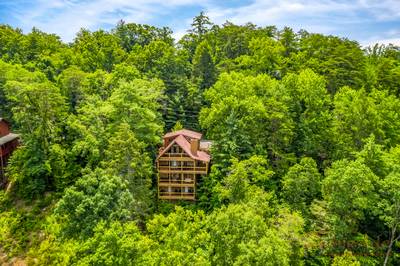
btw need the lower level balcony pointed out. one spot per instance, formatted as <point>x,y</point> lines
<point>177,195</point>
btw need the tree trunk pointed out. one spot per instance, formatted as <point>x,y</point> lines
<point>388,252</point>
<point>392,241</point>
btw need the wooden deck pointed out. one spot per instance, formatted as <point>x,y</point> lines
<point>179,168</point>
<point>185,170</point>
<point>177,196</point>
<point>167,184</point>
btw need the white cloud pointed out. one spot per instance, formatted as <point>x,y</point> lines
<point>267,11</point>
<point>383,10</point>
<point>371,42</point>
<point>66,17</point>
<point>178,34</point>
<point>391,36</point>
<point>394,41</point>
<point>350,19</point>
<point>317,16</point>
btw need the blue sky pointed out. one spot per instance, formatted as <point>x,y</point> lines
<point>367,21</point>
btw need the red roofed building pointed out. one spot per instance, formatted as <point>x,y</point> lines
<point>181,162</point>
<point>8,143</point>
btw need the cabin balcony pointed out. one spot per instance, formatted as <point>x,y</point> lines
<point>176,192</point>
<point>181,164</point>
<point>183,169</point>
<point>177,196</point>
<point>169,155</point>
<point>177,182</point>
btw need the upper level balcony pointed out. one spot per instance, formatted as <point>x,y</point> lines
<point>189,167</point>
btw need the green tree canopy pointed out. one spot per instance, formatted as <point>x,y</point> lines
<point>97,196</point>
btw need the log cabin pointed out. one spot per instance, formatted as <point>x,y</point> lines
<point>8,143</point>
<point>182,160</point>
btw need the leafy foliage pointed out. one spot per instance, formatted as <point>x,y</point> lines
<point>305,147</point>
<point>95,197</point>
<point>301,185</point>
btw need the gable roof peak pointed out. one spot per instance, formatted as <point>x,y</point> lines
<point>181,141</point>
<point>184,132</point>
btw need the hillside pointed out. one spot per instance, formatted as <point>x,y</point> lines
<point>305,156</point>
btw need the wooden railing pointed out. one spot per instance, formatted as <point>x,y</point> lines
<point>175,155</point>
<point>177,195</point>
<point>176,181</point>
<point>183,168</point>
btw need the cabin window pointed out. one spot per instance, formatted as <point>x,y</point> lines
<point>176,189</point>
<point>175,149</point>
<point>163,163</point>
<point>175,177</point>
<point>188,177</point>
<point>164,177</point>
<point>189,190</point>
<point>188,164</point>
<point>200,163</point>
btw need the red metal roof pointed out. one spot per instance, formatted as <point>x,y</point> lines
<point>185,132</point>
<point>185,145</point>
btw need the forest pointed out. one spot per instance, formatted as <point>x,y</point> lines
<point>305,155</point>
